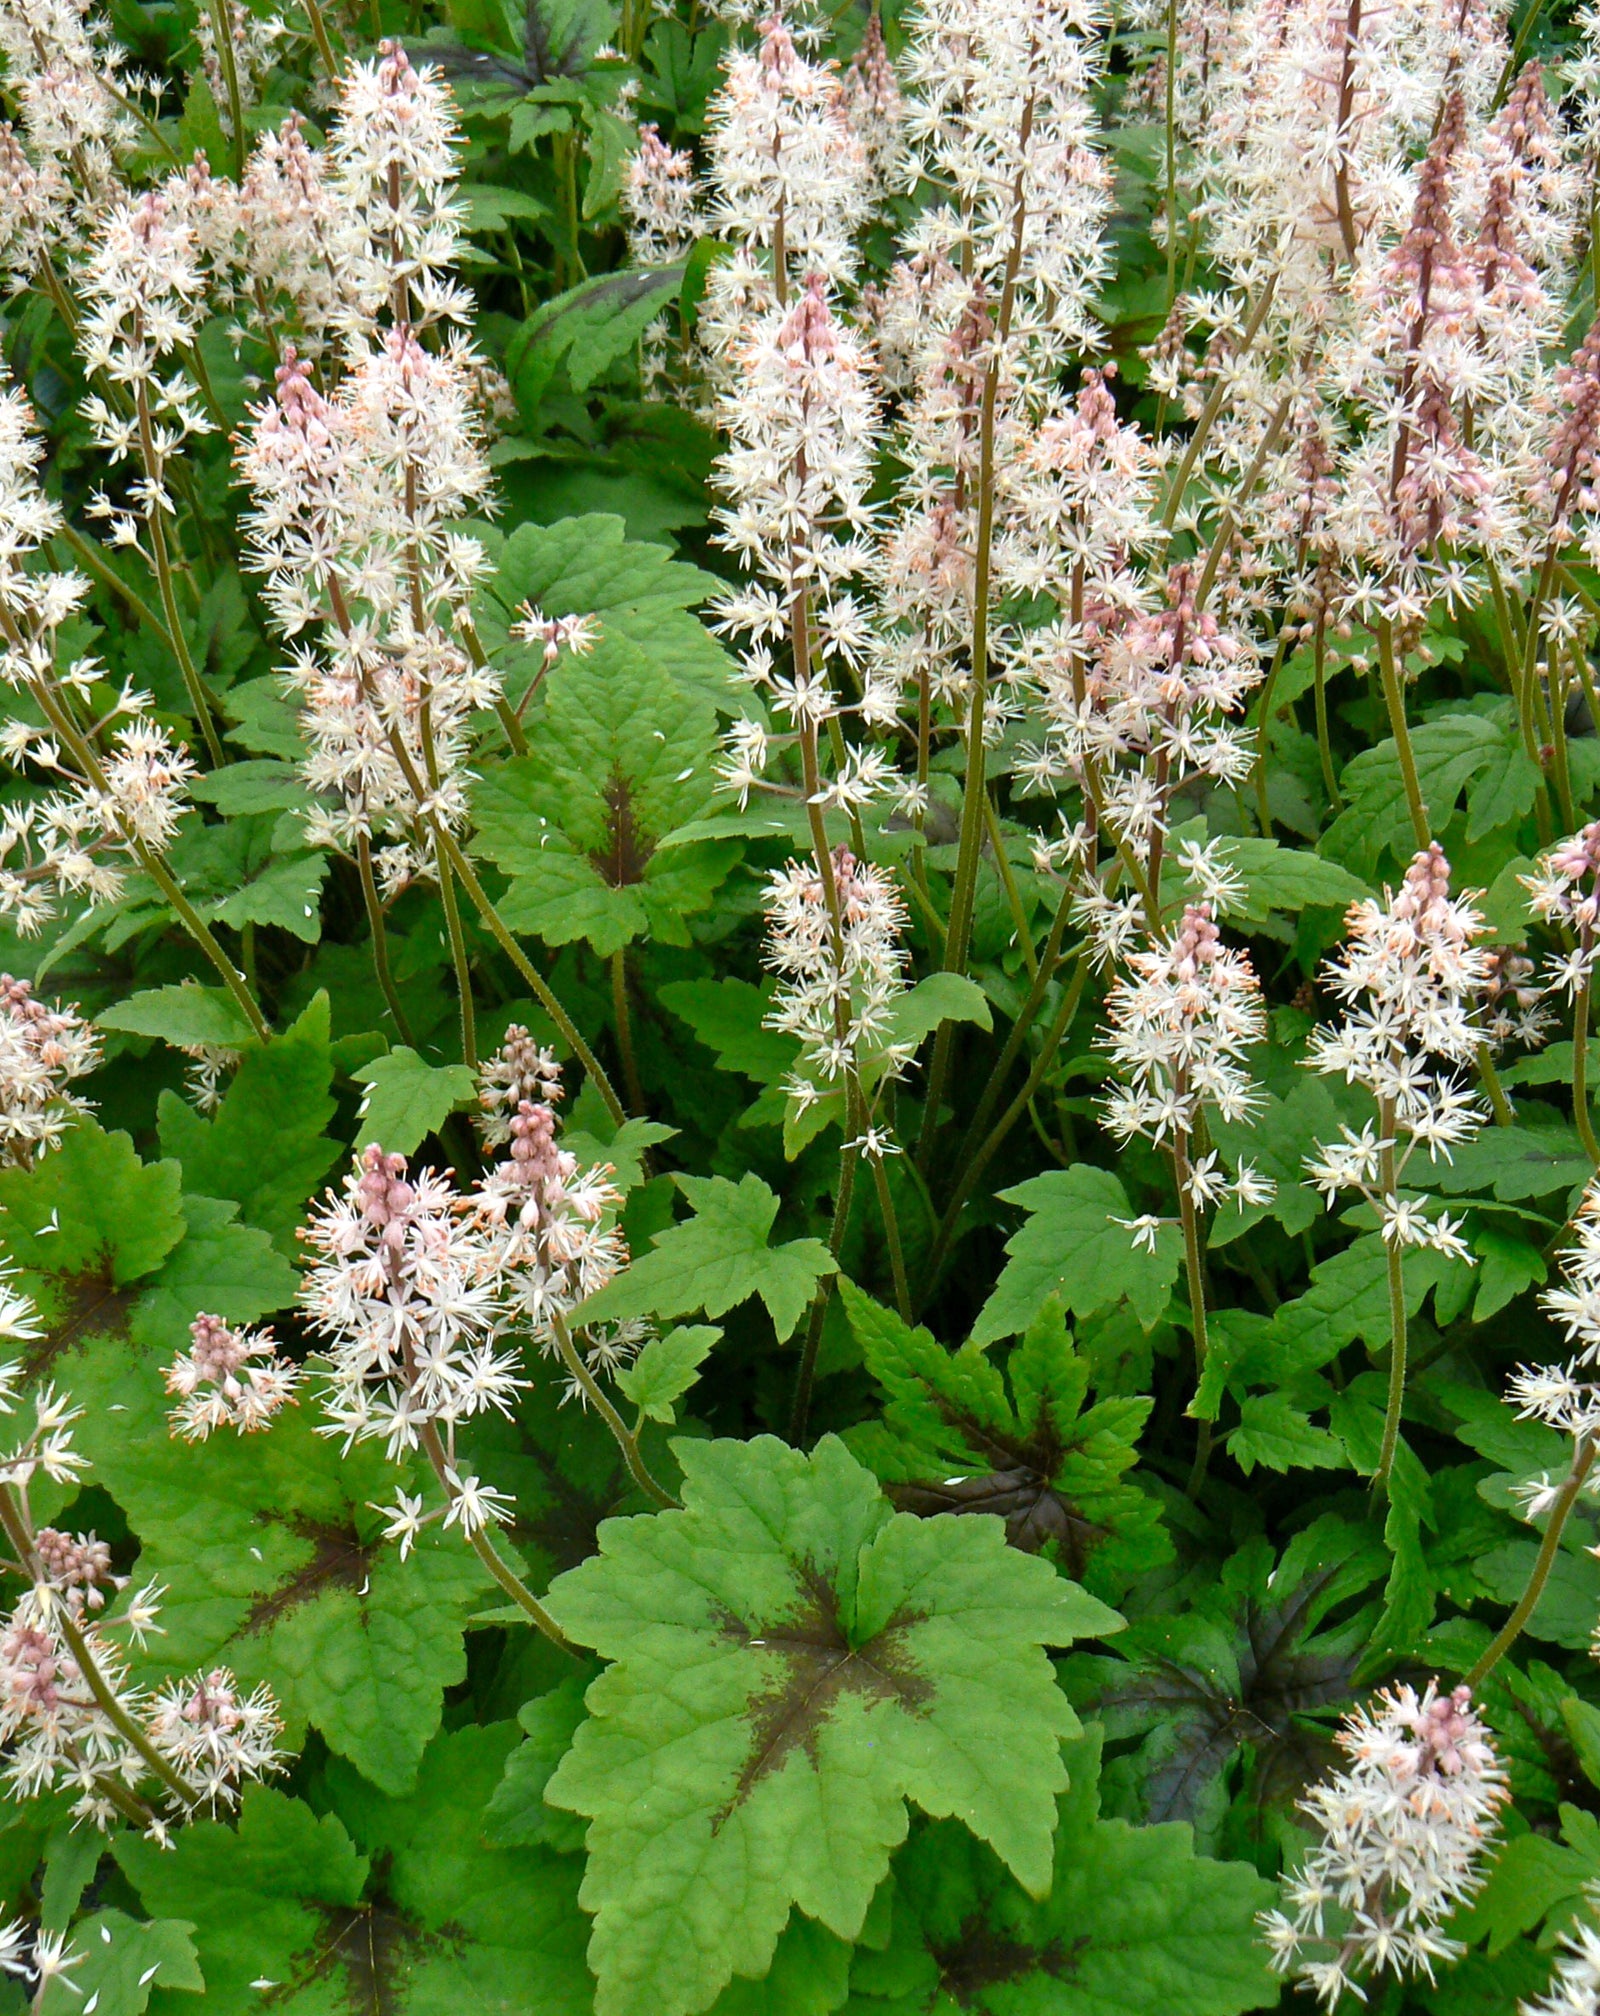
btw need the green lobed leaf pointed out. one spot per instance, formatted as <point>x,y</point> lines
<point>1134,1923</point>
<point>1071,1247</point>
<point>91,1217</point>
<point>958,1436</point>
<point>126,1961</point>
<point>271,1559</point>
<point>794,1662</point>
<point>265,1148</point>
<point>621,757</point>
<point>187,1016</point>
<point>717,1259</point>
<point>409,1098</point>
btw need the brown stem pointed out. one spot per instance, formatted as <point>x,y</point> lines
<point>380,939</point>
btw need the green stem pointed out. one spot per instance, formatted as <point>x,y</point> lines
<point>547,1000</point>
<point>1394,1255</point>
<point>104,572</point>
<point>974,786</point>
<point>1582,1460</point>
<point>805,1378</point>
<point>1394,699</point>
<point>1580,1067</point>
<point>169,600</point>
<point>1320,692</point>
<point>624,1022</point>
<point>1194,1273</point>
<point>222,33</point>
<point>1495,1091</point>
<point>1212,407</point>
<point>1019,918</point>
<point>491,1557</point>
<point>319,35</point>
<point>1020,1026</point>
<point>1172,153</point>
<point>976,1164</point>
<point>463,969</point>
<point>572,1358</point>
<point>891,1233</point>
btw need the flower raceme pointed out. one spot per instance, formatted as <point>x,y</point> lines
<point>1405,1831</point>
<point>421,1290</point>
<point>1180,1021</point>
<point>1411,978</point>
<point>42,1049</point>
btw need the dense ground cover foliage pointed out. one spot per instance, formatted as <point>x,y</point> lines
<point>799,882</point>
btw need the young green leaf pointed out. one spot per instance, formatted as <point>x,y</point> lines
<point>666,1368</point>
<point>1073,1247</point>
<point>794,1662</point>
<point>717,1259</point>
<point>409,1098</point>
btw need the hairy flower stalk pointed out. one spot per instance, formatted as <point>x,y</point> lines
<point>355,526</point>
<point>1405,1831</point>
<point>1410,977</point>
<point>1567,1399</point>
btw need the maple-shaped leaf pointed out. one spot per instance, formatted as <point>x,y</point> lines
<point>795,1661</point>
<point>716,1259</point>
<point>622,756</point>
<point>1261,1650</point>
<point>270,1555</point>
<point>958,1435</point>
<point>1073,1247</point>
<point>394,1907</point>
<point>110,1249</point>
<point>1135,1923</point>
<point>90,1217</point>
<point>265,1147</point>
<point>408,1098</point>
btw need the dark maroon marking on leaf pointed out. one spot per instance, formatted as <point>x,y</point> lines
<point>1279,1680</point>
<point>339,1561</point>
<point>569,1532</point>
<point>371,1945</point>
<point>822,1668</point>
<point>90,1307</point>
<point>981,1959</point>
<point>624,858</point>
<point>1018,1487</point>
